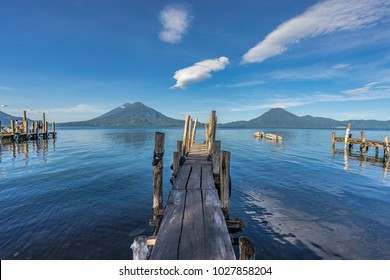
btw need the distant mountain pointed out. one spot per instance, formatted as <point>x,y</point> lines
<point>136,114</point>
<point>278,117</point>
<point>6,118</point>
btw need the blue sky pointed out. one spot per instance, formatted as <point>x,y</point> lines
<point>79,59</point>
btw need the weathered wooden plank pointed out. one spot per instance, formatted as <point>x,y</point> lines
<point>182,178</point>
<point>207,178</point>
<point>167,241</point>
<point>218,243</point>
<point>195,176</point>
<point>192,243</point>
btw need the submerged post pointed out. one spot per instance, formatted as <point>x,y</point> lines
<point>158,173</point>
<point>225,182</point>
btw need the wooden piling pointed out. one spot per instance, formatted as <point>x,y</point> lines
<point>363,144</point>
<point>333,139</point>
<point>347,135</point>
<point>180,148</point>
<point>140,248</point>
<point>175,164</point>
<point>158,173</point>
<point>225,182</point>
<point>13,128</point>
<point>53,127</point>
<point>193,132</point>
<point>44,123</point>
<point>189,135</point>
<point>215,157</point>
<point>212,129</point>
<point>386,150</point>
<point>247,248</point>
<point>185,134</point>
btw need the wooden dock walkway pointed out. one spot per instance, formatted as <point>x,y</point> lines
<point>194,223</point>
<point>193,226</point>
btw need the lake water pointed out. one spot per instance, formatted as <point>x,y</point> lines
<point>88,193</point>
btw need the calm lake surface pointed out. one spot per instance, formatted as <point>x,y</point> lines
<point>88,193</point>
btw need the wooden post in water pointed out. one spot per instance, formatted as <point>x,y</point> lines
<point>140,248</point>
<point>333,139</point>
<point>158,173</point>
<point>25,123</point>
<point>247,248</point>
<point>215,157</point>
<point>193,132</point>
<point>13,129</point>
<point>207,133</point>
<point>363,144</point>
<point>180,148</point>
<point>185,134</point>
<point>225,182</point>
<point>44,129</point>
<point>212,129</point>
<point>175,163</point>
<point>386,149</point>
<point>347,135</point>
<point>53,128</point>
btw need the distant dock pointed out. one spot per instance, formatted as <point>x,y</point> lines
<point>22,130</point>
<point>363,143</point>
<point>195,223</point>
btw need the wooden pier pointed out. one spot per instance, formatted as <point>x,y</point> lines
<point>22,131</point>
<point>195,224</point>
<point>363,143</point>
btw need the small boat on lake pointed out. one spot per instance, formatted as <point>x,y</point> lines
<point>259,134</point>
<point>274,137</point>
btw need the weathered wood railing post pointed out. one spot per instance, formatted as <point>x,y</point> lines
<point>185,134</point>
<point>158,174</point>
<point>212,129</point>
<point>225,182</point>
<point>215,157</point>
<point>193,132</point>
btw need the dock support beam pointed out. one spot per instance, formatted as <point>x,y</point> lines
<point>158,173</point>
<point>247,248</point>
<point>140,248</point>
<point>225,182</point>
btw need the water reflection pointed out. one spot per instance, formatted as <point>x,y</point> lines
<point>363,157</point>
<point>25,149</point>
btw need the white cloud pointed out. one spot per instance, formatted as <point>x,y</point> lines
<point>367,88</point>
<point>323,18</point>
<point>175,21</point>
<point>199,71</point>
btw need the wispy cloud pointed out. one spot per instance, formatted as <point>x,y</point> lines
<point>5,88</point>
<point>246,84</point>
<point>175,20</point>
<point>324,18</point>
<point>371,91</point>
<point>367,89</point>
<point>199,71</point>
